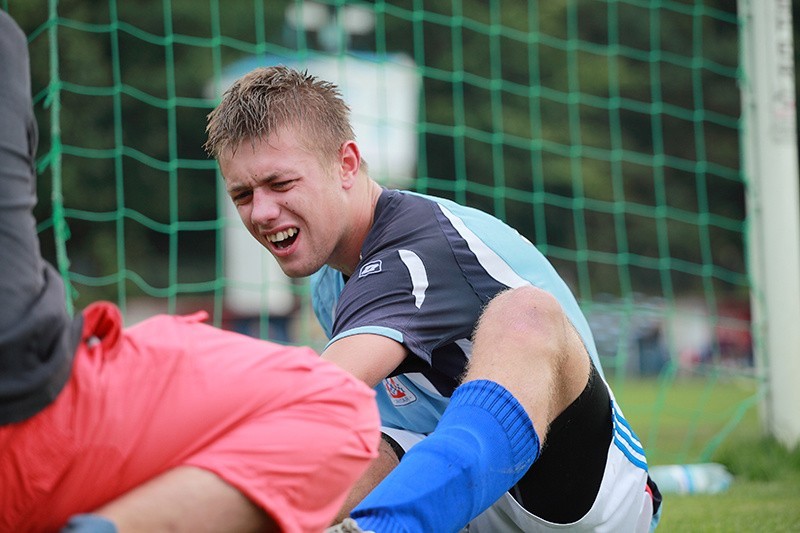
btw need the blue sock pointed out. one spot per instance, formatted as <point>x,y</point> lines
<point>483,445</point>
<point>89,523</point>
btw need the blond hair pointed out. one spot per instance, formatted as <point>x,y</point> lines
<point>268,99</point>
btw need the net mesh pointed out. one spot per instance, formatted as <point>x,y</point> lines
<point>606,132</point>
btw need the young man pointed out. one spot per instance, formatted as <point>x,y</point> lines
<point>527,434</point>
<point>169,425</point>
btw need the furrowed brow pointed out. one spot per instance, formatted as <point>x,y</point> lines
<point>236,189</point>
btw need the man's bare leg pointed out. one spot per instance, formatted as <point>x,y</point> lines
<point>527,365</point>
<point>380,467</point>
<point>544,365</point>
<point>525,342</point>
<point>186,499</point>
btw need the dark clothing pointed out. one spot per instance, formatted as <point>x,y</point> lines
<point>37,336</point>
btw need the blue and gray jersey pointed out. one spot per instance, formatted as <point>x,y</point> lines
<point>427,269</point>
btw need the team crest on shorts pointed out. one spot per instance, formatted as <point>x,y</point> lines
<point>398,392</point>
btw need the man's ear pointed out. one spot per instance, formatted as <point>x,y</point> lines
<point>350,162</point>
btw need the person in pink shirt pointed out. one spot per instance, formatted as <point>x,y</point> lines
<point>170,424</point>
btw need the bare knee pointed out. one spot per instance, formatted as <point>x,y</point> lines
<point>527,299</point>
<point>525,317</point>
<point>186,498</point>
<point>526,342</point>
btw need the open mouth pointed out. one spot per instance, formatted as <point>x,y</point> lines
<point>284,239</point>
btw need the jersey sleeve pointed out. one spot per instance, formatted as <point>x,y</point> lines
<point>404,295</point>
<point>410,288</point>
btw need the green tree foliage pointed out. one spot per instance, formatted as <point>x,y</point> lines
<point>606,127</point>
<point>134,93</point>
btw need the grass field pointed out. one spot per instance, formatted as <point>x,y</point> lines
<point>694,420</point>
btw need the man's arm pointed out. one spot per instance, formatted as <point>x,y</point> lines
<point>371,358</point>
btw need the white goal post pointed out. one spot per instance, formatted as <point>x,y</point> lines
<point>771,171</point>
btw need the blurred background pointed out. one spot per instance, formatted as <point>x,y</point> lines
<point>611,133</point>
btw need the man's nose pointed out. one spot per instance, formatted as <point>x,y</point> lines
<point>265,207</point>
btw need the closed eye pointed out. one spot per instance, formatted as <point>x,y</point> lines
<point>281,185</point>
<point>242,197</point>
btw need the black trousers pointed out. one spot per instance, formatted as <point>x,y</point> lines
<point>37,336</point>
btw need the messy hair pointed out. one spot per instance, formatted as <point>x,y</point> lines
<point>268,99</point>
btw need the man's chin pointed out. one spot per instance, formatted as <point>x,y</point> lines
<point>297,271</point>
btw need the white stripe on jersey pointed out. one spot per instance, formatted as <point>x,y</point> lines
<point>489,260</point>
<point>466,347</point>
<point>419,276</point>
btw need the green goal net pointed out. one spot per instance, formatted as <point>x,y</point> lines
<point>607,132</point>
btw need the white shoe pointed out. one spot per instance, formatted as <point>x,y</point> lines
<point>348,525</point>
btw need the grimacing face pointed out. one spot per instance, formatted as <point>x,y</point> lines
<point>289,200</point>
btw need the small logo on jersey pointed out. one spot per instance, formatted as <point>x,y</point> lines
<point>373,267</point>
<point>398,392</point>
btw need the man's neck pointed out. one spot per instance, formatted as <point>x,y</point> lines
<point>365,200</point>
